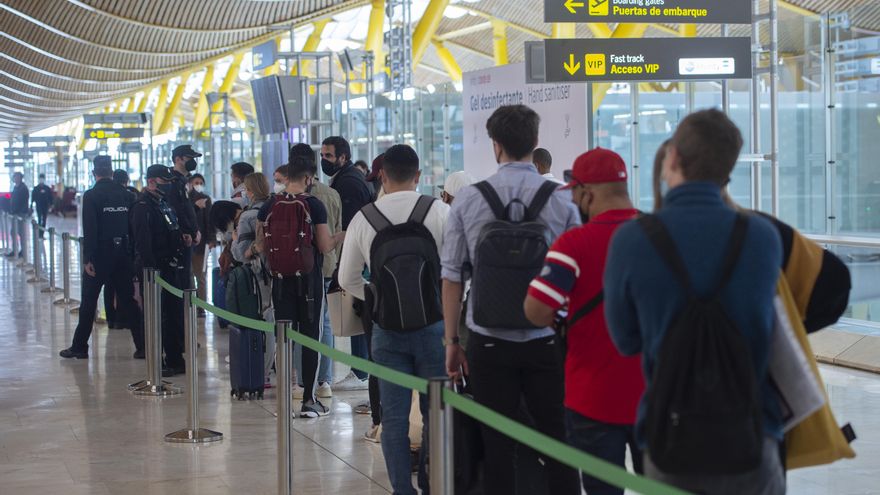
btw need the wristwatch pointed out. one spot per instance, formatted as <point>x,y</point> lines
<point>453,341</point>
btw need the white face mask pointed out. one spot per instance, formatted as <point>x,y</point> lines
<point>279,187</point>
<point>199,188</point>
<point>42,181</point>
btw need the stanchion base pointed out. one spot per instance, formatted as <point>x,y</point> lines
<point>157,391</point>
<point>143,383</point>
<point>202,435</point>
<point>35,280</point>
<point>74,311</point>
<point>49,290</point>
<point>66,302</point>
<point>29,271</point>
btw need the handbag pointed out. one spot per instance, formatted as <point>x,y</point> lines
<point>343,318</point>
<point>818,439</point>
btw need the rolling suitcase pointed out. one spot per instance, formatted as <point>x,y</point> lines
<point>246,371</point>
<point>218,293</point>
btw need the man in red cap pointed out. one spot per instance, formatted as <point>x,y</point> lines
<point>602,388</point>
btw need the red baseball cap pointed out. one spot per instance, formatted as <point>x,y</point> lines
<point>597,166</point>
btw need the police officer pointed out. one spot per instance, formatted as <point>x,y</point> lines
<point>106,258</point>
<point>158,243</point>
<point>184,158</point>
<point>111,307</point>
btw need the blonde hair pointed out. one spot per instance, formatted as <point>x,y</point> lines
<point>258,186</point>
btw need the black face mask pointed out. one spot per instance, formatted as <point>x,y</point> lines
<point>190,165</point>
<point>329,168</point>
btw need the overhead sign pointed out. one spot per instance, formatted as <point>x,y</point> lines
<point>673,59</point>
<point>264,55</point>
<point>665,11</point>
<point>124,133</point>
<point>115,118</point>
<point>47,149</point>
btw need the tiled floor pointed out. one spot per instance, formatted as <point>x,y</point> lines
<point>71,427</point>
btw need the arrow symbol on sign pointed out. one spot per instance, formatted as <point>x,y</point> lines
<point>571,4</point>
<point>571,66</point>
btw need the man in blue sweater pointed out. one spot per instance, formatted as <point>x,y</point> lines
<point>643,297</point>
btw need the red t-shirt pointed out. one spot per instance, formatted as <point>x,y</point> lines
<point>599,383</point>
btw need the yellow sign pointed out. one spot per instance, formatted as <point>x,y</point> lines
<point>595,63</point>
<point>599,8</point>
<point>102,134</point>
<point>571,5</point>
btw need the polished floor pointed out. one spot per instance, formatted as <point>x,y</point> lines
<point>71,427</point>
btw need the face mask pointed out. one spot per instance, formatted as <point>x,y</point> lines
<point>245,200</point>
<point>328,167</point>
<point>165,189</point>
<point>199,188</point>
<point>42,182</point>
<point>279,188</point>
<point>190,165</point>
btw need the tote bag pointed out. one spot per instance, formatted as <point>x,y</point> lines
<point>343,318</point>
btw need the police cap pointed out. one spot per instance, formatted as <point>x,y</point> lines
<point>159,172</point>
<point>185,150</point>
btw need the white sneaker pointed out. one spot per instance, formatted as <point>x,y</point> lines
<point>351,382</point>
<point>315,410</point>
<point>324,391</point>
<point>298,393</point>
<point>374,434</point>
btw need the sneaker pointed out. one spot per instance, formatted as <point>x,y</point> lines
<point>313,410</point>
<point>71,353</point>
<point>324,391</point>
<point>139,354</point>
<point>374,434</point>
<point>351,382</point>
<point>298,392</point>
<point>363,408</point>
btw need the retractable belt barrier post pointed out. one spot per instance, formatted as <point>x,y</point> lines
<point>38,254</point>
<point>192,433</point>
<point>440,440</point>
<point>51,289</point>
<point>283,366</point>
<point>32,239</point>
<point>65,272</point>
<point>153,386</point>
<point>4,236</point>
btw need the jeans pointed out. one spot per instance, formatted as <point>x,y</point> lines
<point>198,270</point>
<point>503,373</point>
<point>606,441</point>
<point>420,353</point>
<point>325,369</point>
<point>18,232</point>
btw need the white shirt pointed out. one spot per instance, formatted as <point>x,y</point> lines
<point>397,207</point>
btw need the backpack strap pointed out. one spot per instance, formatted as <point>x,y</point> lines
<point>492,198</point>
<point>665,246</point>
<point>375,217</point>
<point>587,308</point>
<point>540,200</point>
<point>734,248</point>
<point>421,209</point>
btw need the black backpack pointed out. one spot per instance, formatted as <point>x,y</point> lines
<point>507,256</point>
<point>703,412</point>
<point>404,270</point>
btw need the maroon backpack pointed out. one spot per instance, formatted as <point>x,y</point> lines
<point>289,236</point>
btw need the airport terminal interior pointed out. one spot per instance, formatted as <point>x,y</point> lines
<point>244,80</point>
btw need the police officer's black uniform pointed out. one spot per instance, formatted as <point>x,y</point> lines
<point>107,247</point>
<point>178,198</point>
<point>158,244</point>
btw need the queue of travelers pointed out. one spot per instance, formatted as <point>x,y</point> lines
<point>561,305</point>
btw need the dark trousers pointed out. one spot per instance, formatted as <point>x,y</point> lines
<point>114,266</point>
<point>606,441</point>
<point>110,306</point>
<point>42,213</point>
<point>172,316</point>
<point>502,373</point>
<point>299,300</point>
<point>372,382</point>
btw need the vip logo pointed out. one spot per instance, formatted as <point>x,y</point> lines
<point>595,63</point>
